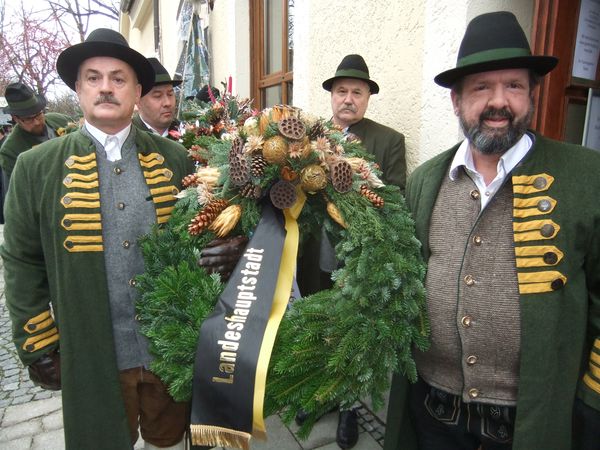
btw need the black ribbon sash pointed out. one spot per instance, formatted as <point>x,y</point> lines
<point>225,384</point>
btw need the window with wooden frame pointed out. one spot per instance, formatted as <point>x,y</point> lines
<point>562,100</point>
<point>271,52</point>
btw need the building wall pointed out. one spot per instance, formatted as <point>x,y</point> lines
<point>405,44</point>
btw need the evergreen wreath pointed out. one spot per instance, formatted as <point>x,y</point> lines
<point>333,347</point>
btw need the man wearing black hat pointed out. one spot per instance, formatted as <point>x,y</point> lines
<point>32,126</point>
<point>75,210</point>
<point>156,109</point>
<point>351,88</point>
<point>510,227</point>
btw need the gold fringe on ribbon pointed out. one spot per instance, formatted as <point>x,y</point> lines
<point>219,437</point>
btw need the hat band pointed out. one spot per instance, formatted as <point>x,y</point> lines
<point>492,55</point>
<point>24,104</point>
<point>352,73</point>
<point>162,78</point>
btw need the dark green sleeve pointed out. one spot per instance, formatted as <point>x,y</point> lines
<point>26,284</point>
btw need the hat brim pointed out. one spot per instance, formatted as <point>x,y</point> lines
<point>374,87</point>
<point>68,62</point>
<point>28,111</point>
<point>173,83</point>
<point>541,65</point>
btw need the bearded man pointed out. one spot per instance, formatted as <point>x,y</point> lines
<point>510,227</point>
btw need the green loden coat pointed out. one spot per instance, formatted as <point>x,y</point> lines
<point>560,320</point>
<point>20,140</point>
<point>53,256</point>
<point>387,146</point>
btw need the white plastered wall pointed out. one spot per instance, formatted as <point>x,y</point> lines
<point>229,39</point>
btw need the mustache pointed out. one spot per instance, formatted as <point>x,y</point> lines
<point>494,113</point>
<point>348,108</point>
<point>106,98</point>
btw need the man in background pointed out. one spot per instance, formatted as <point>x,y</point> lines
<point>32,126</point>
<point>157,109</point>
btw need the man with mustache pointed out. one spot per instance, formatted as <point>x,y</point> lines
<point>351,88</point>
<point>32,126</point>
<point>510,227</point>
<point>76,209</point>
<point>156,109</point>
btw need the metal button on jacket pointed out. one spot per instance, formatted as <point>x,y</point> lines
<point>117,170</point>
<point>547,230</point>
<point>121,205</point>
<point>550,258</point>
<point>469,280</point>
<point>540,183</point>
<point>477,240</point>
<point>557,284</point>
<point>544,205</point>
<point>471,360</point>
<point>126,244</point>
<point>466,321</point>
<point>475,194</point>
<point>473,393</point>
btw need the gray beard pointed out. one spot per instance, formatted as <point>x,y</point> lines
<point>492,141</point>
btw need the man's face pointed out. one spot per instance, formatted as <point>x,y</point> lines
<point>108,90</point>
<point>494,108</point>
<point>34,124</point>
<point>157,107</point>
<point>349,100</point>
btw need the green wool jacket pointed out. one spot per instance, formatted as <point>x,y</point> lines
<point>53,258</point>
<point>560,302</point>
<point>20,140</point>
<point>387,145</point>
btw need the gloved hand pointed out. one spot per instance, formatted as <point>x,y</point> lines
<point>221,255</point>
<point>45,372</point>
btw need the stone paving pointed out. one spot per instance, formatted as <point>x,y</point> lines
<point>31,417</point>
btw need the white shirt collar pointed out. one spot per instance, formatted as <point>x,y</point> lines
<point>507,162</point>
<point>164,134</point>
<point>100,135</point>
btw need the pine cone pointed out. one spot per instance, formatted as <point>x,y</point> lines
<point>375,199</point>
<point>206,216</point>
<point>190,180</point>
<point>317,130</point>
<point>258,165</point>
<point>251,191</point>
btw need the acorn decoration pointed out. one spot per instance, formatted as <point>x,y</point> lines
<point>275,150</point>
<point>341,175</point>
<point>191,180</point>
<point>313,178</point>
<point>283,194</point>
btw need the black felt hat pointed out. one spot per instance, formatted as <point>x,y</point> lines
<point>22,101</point>
<point>161,76</point>
<point>352,66</point>
<point>104,42</point>
<point>494,41</point>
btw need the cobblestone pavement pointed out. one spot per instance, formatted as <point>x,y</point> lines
<point>31,418</point>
